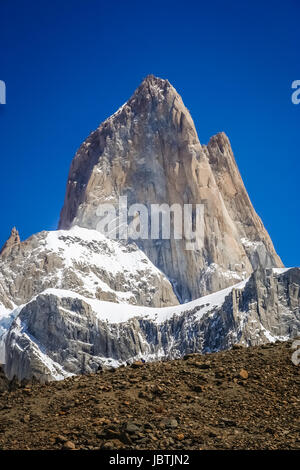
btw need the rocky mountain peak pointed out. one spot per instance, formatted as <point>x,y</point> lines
<point>153,81</point>
<point>154,100</point>
<point>150,152</point>
<point>12,241</point>
<point>221,141</point>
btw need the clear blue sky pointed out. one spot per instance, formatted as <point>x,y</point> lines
<point>69,64</point>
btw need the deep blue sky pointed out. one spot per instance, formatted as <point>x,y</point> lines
<point>69,64</point>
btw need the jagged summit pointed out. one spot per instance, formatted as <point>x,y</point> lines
<point>154,88</point>
<point>151,79</point>
<point>13,240</point>
<point>152,94</point>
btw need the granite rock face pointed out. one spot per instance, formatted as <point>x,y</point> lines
<point>60,333</point>
<point>150,152</point>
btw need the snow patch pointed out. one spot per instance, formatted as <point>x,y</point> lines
<point>280,270</point>
<point>121,313</point>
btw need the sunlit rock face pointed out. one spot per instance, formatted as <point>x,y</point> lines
<point>150,152</point>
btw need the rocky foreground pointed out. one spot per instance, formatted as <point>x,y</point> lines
<point>245,398</point>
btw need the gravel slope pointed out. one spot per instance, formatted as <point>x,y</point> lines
<point>237,399</point>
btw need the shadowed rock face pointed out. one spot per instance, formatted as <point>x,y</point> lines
<point>57,333</point>
<point>149,151</point>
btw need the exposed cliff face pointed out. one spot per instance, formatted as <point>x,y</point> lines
<point>255,239</point>
<point>149,151</point>
<point>60,333</point>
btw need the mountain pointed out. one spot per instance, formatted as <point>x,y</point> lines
<point>149,151</point>
<point>60,333</point>
<point>75,299</point>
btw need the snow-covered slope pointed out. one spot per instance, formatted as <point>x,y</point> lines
<point>81,261</point>
<point>60,332</point>
<point>86,262</point>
